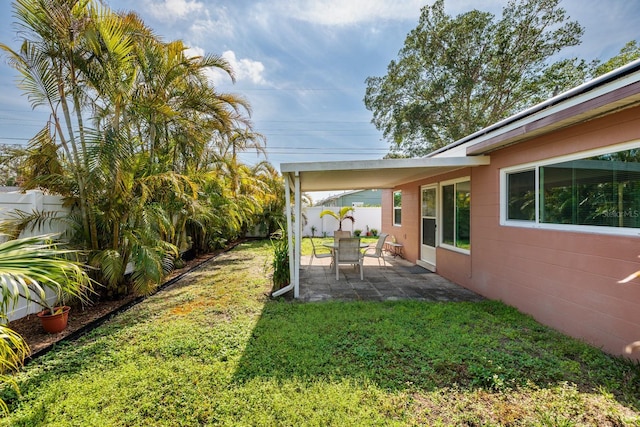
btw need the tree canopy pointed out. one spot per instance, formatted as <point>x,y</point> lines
<point>628,53</point>
<point>140,142</point>
<point>456,75</point>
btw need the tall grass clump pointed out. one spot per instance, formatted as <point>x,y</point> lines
<point>280,262</point>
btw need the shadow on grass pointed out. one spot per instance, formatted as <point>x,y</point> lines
<point>411,345</point>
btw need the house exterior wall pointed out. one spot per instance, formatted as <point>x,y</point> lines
<point>564,279</point>
<point>409,232</point>
<point>367,198</point>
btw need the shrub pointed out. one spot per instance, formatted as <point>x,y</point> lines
<point>280,263</point>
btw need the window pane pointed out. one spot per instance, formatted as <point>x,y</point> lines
<point>397,199</point>
<point>397,216</point>
<point>448,214</point>
<point>599,191</point>
<point>521,190</point>
<point>397,207</point>
<point>429,202</point>
<point>429,231</point>
<point>463,215</point>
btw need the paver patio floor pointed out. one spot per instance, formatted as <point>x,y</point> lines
<point>400,279</point>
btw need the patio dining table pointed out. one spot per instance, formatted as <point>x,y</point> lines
<point>334,248</point>
<point>334,245</point>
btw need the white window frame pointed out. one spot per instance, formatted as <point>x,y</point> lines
<point>441,215</point>
<point>393,202</point>
<point>504,221</point>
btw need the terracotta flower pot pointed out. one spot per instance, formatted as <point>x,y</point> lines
<point>54,323</point>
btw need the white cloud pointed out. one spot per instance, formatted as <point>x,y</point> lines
<point>172,10</point>
<point>244,69</point>
<point>194,51</point>
<point>341,12</point>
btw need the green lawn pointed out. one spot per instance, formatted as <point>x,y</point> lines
<point>215,351</point>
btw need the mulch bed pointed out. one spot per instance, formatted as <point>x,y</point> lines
<point>81,319</point>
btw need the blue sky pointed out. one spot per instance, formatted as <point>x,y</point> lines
<point>302,63</point>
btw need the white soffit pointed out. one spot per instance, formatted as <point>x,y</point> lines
<point>371,174</point>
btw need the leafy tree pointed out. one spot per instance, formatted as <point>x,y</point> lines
<point>630,52</point>
<point>455,76</point>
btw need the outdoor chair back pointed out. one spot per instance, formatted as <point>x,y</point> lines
<point>348,252</point>
<point>339,234</point>
<point>316,254</point>
<point>378,249</point>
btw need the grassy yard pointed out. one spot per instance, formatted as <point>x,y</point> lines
<point>213,350</point>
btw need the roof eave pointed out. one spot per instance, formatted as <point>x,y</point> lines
<point>373,174</point>
<point>626,75</point>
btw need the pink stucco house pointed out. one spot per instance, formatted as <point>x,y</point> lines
<point>540,210</point>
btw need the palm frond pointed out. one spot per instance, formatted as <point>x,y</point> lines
<point>18,221</point>
<point>31,264</point>
<point>111,266</point>
<point>13,351</point>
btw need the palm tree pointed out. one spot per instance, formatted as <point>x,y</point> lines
<point>137,133</point>
<point>63,40</point>
<point>342,215</point>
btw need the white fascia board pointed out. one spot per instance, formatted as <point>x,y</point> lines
<point>385,164</point>
<point>571,102</point>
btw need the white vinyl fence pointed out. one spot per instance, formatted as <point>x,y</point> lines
<point>364,217</point>
<point>29,202</point>
<point>32,201</point>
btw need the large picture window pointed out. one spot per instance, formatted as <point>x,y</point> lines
<point>456,214</point>
<point>599,192</point>
<point>397,208</point>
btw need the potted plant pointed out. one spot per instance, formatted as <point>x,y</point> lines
<point>357,232</point>
<point>54,319</point>
<point>374,232</point>
<point>31,266</point>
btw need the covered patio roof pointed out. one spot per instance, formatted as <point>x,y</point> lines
<point>354,175</point>
<point>372,174</point>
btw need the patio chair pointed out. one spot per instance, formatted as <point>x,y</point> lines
<point>348,252</point>
<point>339,234</point>
<point>318,255</point>
<point>378,250</point>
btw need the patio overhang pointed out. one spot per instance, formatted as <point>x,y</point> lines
<point>354,175</point>
<point>372,174</point>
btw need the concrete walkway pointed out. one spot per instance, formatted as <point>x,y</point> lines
<point>398,280</point>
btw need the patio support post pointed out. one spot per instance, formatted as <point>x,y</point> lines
<point>298,235</point>
<point>287,195</point>
<point>293,277</point>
